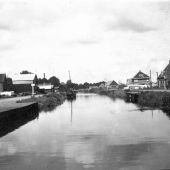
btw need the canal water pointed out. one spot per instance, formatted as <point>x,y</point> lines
<point>94,133</point>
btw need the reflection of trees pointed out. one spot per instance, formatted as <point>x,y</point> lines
<point>122,156</point>
<point>167,112</point>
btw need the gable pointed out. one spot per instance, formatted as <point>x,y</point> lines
<point>140,75</point>
<point>2,78</point>
<point>111,83</point>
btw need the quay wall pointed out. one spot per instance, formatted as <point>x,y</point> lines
<point>14,118</point>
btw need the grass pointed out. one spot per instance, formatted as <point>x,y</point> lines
<point>154,99</point>
<point>47,102</point>
<point>114,94</point>
<point>151,99</point>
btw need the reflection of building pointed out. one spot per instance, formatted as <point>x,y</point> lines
<point>164,77</point>
<point>139,79</point>
<point>3,83</point>
<point>24,82</point>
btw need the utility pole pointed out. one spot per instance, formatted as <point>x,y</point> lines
<point>157,74</point>
<point>157,79</point>
<point>69,75</point>
<point>150,79</point>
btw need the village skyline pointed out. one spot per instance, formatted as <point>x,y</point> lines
<point>95,40</point>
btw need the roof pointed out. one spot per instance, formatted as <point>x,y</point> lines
<point>45,86</point>
<point>163,74</point>
<point>25,77</point>
<point>111,83</point>
<point>2,78</point>
<point>140,75</point>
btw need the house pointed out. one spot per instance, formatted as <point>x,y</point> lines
<point>164,78</point>
<point>111,85</point>
<point>45,88</point>
<point>24,82</point>
<point>139,79</point>
<point>3,83</point>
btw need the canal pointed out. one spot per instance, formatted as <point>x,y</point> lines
<point>93,132</point>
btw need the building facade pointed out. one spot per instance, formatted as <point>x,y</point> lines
<point>139,79</point>
<point>45,88</point>
<point>3,82</point>
<point>164,78</point>
<point>24,82</point>
<point>111,85</point>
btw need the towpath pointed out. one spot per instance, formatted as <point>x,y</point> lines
<point>11,103</point>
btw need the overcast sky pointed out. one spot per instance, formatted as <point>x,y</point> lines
<point>95,39</point>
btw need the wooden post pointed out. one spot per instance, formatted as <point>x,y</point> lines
<point>33,85</point>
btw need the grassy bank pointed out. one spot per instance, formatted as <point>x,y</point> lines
<point>114,94</point>
<point>151,99</point>
<point>155,99</point>
<point>47,102</point>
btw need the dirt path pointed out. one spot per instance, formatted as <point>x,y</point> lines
<point>10,103</point>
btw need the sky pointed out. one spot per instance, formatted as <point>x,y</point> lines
<point>97,40</point>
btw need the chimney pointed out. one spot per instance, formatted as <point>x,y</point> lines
<point>44,75</point>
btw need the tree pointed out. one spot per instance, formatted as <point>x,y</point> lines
<point>54,81</point>
<point>25,72</point>
<point>42,81</point>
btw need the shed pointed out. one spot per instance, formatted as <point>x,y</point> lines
<point>23,82</point>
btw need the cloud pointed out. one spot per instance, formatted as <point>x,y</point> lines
<point>164,6</point>
<point>127,24</point>
<point>4,27</point>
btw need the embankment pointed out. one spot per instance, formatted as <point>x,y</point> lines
<point>151,99</point>
<point>46,102</point>
<point>154,99</point>
<point>114,94</point>
<point>16,117</point>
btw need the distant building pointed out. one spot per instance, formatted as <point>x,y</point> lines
<point>3,82</point>
<point>111,85</point>
<point>102,86</point>
<point>129,81</point>
<point>24,82</point>
<point>164,78</point>
<point>45,88</point>
<point>139,79</point>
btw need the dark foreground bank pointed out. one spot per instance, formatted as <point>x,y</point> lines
<point>46,102</point>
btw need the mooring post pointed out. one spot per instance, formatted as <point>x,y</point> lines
<point>32,85</point>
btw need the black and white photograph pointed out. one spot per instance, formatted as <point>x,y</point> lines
<point>84,84</point>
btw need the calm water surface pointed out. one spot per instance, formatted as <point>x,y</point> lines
<point>93,132</point>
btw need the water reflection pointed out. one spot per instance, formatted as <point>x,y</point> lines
<point>94,133</point>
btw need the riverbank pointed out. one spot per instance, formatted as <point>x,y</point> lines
<point>150,99</point>
<point>154,99</point>
<point>46,102</point>
<point>8,104</point>
<point>114,94</point>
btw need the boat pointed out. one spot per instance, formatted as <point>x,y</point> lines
<point>71,93</point>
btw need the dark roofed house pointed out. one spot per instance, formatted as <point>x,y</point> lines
<point>111,85</point>
<point>2,82</point>
<point>141,79</point>
<point>24,82</point>
<point>164,77</point>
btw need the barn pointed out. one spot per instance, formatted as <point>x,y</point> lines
<point>23,82</point>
